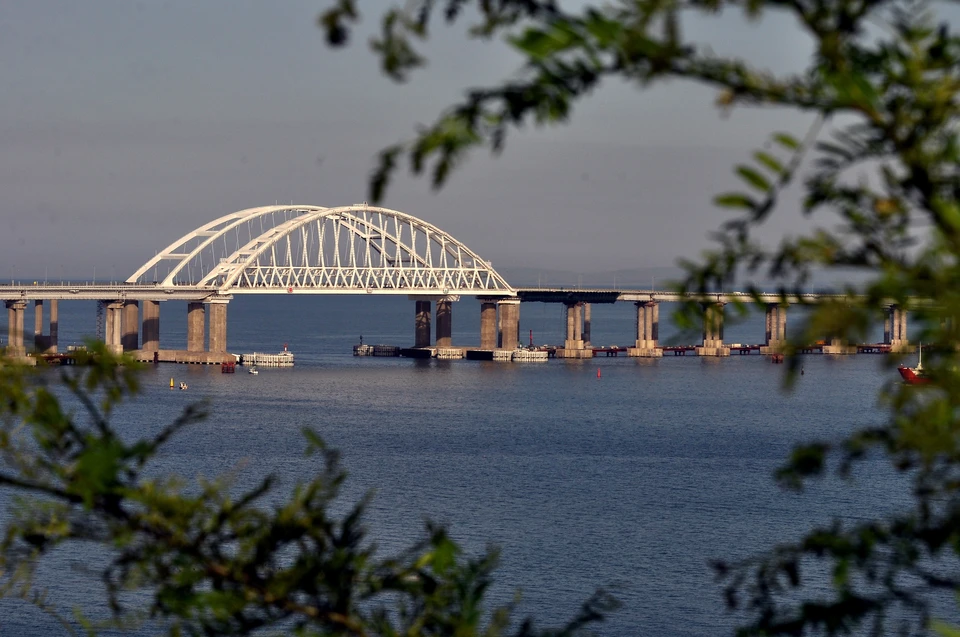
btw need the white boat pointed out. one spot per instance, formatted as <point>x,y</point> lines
<point>914,375</point>
<point>253,370</point>
<point>283,359</point>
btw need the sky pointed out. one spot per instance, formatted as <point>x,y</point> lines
<point>126,124</point>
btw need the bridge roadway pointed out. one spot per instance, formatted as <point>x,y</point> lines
<point>101,291</point>
<point>182,292</point>
<point>604,295</point>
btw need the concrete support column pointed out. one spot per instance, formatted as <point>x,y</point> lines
<point>648,325</point>
<point>444,323</point>
<point>131,326</point>
<point>651,311</point>
<point>196,326</point>
<point>39,343</point>
<point>54,327</point>
<point>488,325</point>
<point>713,331</point>
<point>776,321</point>
<point>769,317</point>
<point>509,323</point>
<point>218,327</point>
<point>775,336</point>
<point>648,331</point>
<point>641,324</point>
<point>114,332</point>
<point>895,328</point>
<point>574,339</point>
<point>422,334</point>
<point>151,326</point>
<point>15,310</point>
<point>713,325</point>
<point>586,324</point>
<point>899,327</point>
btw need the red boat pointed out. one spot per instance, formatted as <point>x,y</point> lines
<point>914,375</point>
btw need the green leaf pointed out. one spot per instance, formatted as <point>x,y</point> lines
<point>543,44</point>
<point>754,178</point>
<point>787,141</point>
<point>735,200</point>
<point>944,629</point>
<point>444,555</point>
<point>769,161</point>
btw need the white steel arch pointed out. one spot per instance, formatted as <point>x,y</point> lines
<point>309,249</point>
<point>190,248</point>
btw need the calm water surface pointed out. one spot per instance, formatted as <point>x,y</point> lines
<point>634,481</point>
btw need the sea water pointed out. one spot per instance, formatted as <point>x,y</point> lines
<point>623,473</point>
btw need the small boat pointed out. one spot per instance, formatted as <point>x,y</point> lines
<point>253,370</point>
<point>914,375</point>
<point>183,385</point>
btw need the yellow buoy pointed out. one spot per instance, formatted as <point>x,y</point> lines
<point>171,383</point>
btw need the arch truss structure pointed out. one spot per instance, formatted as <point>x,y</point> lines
<point>310,249</point>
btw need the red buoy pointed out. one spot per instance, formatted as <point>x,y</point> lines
<point>598,372</point>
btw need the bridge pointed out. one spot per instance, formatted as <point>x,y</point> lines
<point>356,249</point>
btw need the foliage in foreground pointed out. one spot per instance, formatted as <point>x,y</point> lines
<point>212,560</point>
<point>882,87</point>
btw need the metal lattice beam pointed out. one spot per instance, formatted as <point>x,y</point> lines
<point>350,249</point>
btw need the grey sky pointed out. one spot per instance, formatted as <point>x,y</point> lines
<point>124,125</point>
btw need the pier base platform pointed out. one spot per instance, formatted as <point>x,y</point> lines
<point>713,351</point>
<point>839,349</point>
<point>181,356</point>
<point>645,352</point>
<point>417,352</point>
<point>29,361</point>
<point>904,348</point>
<point>574,353</point>
<point>479,354</point>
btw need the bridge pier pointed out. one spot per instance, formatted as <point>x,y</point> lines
<point>15,311</point>
<point>775,337</point>
<point>196,326</point>
<point>197,350</point>
<point>509,323</point>
<point>713,331</point>
<point>39,342</point>
<point>586,325</point>
<point>573,344</point>
<point>648,331</point>
<point>895,329</point>
<point>422,334</point>
<point>218,327</point>
<point>444,323</point>
<point>488,325</point>
<point>151,326</point>
<point>113,335</point>
<point>54,327</point>
<point>131,326</point>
